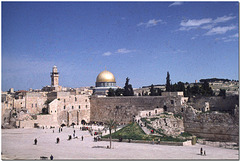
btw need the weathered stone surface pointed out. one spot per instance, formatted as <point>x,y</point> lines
<point>123,109</point>
<point>212,125</point>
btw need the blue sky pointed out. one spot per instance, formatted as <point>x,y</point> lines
<point>142,41</point>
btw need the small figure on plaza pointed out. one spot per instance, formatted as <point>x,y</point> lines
<point>82,138</point>
<point>201,151</point>
<point>159,141</point>
<point>58,140</point>
<point>35,141</point>
<point>204,153</point>
<point>51,157</point>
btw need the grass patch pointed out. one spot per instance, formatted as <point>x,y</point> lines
<point>145,120</point>
<point>155,118</point>
<point>134,131</point>
<point>177,116</point>
<point>131,131</point>
<point>185,134</point>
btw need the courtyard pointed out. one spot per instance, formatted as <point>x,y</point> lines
<point>19,144</point>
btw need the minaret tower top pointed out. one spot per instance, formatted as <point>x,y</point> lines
<point>54,77</point>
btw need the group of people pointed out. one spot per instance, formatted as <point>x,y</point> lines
<point>202,152</point>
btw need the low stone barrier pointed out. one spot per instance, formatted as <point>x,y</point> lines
<point>186,143</point>
<point>227,145</point>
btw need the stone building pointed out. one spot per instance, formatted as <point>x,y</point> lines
<point>50,106</point>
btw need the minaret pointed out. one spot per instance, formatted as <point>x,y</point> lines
<point>54,77</point>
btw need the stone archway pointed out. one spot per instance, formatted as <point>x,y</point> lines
<point>83,122</point>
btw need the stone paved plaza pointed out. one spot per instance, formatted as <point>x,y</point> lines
<point>18,144</point>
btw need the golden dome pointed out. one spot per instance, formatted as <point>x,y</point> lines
<point>105,76</point>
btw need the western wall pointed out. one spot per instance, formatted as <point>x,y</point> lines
<point>211,125</point>
<point>123,109</point>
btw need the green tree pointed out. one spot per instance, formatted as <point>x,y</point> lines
<point>110,125</point>
<point>222,92</point>
<point>152,91</point>
<point>111,92</point>
<point>128,90</point>
<point>206,90</point>
<point>159,92</point>
<point>168,85</point>
<point>119,92</point>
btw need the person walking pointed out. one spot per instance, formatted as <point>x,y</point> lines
<point>82,138</point>
<point>58,140</point>
<point>201,151</point>
<point>51,157</point>
<point>35,141</point>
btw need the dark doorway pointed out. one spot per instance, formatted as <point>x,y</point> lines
<point>83,122</point>
<point>165,108</point>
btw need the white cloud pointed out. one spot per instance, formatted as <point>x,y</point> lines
<point>223,19</point>
<point>235,35</point>
<point>195,22</point>
<point>183,28</point>
<point>228,38</point>
<point>220,30</point>
<point>175,4</point>
<point>179,51</point>
<point>124,51</point>
<point>151,23</point>
<point>205,23</point>
<point>208,27</point>
<point>107,53</point>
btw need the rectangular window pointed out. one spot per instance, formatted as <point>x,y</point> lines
<point>75,98</point>
<point>72,107</point>
<point>79,106</point>
<point>86,106</point>
<point>32,105</point>
<point>64,107</point>
<point>64,100</point>
<point>172,102</point>
<point>35,105</point>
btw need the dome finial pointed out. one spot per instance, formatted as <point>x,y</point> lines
<point>105,67</point>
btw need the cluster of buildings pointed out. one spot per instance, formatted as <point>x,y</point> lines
<point>55,105</point>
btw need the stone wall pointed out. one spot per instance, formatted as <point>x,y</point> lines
<point>216,103</point>
<point>35,102</point>
<point>68,109</point>
<point>169,125</point>
<point>123,109</point>
<point>19,103</point>
<point>212,125</point>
